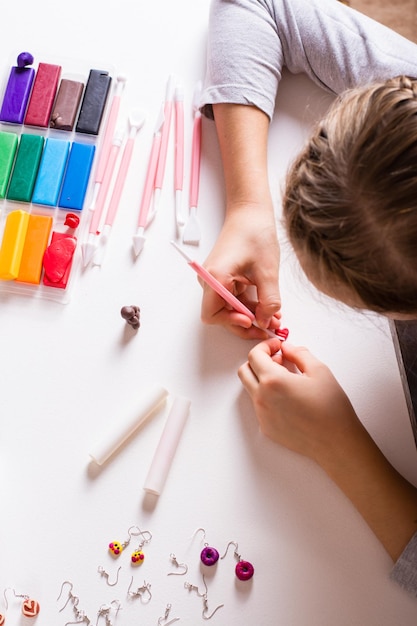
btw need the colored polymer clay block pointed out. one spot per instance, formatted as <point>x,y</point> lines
<point>17,94</point>
<point>51,172</point>
<point>66,105</point>
<point>77,175</point>
<point>25,168</point>
<point>36,241</point>
<point>12,244</point>
<point>57,260</point>
<point>94,102</point>
<point>43,95</point>
<point>8,147</point>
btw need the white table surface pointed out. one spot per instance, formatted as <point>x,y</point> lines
<point>68,370</point>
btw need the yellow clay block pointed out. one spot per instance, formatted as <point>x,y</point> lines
<point>12,245</point>
<point>36,241</point>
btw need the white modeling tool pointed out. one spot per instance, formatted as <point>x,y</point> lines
<point>167,446</point>
<point>160,170</point>
<point>122,428</point>
<point>179,154</point>
<point>90,246</point>
<point>144,220</point>
<point>136,121</point>
<point>192,228</point>
<point>108,137</point>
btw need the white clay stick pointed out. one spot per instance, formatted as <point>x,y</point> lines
<point>122,428</point>
<point>167,446</point>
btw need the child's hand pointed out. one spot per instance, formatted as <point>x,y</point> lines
<point>245,255</point>
<point>306,410</point>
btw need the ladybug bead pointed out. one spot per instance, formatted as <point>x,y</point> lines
<point>115,548</point>
<point>137,557</point>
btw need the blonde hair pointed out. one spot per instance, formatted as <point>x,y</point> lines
<point>350,204</point>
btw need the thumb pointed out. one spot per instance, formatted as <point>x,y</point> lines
<point>300,357</point>
<point>269,301</point>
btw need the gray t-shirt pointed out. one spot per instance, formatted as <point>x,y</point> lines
<point>251,41</point>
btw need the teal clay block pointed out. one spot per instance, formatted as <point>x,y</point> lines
<point>8,146</point>
<point>51,172</point>
<point>26,167</point>
<point>76,179</point>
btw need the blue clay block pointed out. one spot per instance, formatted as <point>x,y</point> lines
<point>51,172</point>
<point>17,94</point>
<point>77,176</point>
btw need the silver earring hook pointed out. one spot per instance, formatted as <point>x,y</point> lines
<point>236,554</point>
<point>75,599</point>
<point>140,591</point>
<point>84,618</point>
<point>165,617</point>
<point>103,572</point>
<point>191,587</point>
<point>175,562</point>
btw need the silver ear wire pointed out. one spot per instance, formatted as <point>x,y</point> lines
<point>103,572</point>
<point>105,609</point>
<point>243,570</point>
<point>191,587</point>
<point>140,591</point>
<point>175,562</point>
<point>79,614</point>
<point>163,619</point>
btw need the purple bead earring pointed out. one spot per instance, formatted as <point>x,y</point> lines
<point>209,555</point>
<point>243,570</point>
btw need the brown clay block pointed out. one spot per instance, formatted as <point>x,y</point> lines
<point>66,105</point>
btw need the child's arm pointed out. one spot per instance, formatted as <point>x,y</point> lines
<point>246,252</point>
<point>309,413</point>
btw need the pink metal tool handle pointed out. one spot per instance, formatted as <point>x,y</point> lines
<point>149,181</point>
<point>120,182</point>
<point>195,161</point>
<point>104,188</point>
<point>179,145</point>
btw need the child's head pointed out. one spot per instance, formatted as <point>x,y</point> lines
<point>350,203</point>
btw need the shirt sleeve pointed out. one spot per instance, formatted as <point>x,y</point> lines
<point>404,571</point>
<point>251,41</point>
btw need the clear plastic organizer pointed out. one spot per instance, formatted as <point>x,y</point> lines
<point>53,116</point>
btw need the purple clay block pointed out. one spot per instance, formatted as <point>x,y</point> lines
<point>17,94</point>
<point>209,556</point>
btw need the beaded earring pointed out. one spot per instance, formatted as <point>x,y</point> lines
<point>138,556</point>
<point>209,555</point>
<point>243,570</point>
<point>30,607</point>
<point>116,548</point>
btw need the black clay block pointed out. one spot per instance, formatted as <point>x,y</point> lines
<point>94,102</point>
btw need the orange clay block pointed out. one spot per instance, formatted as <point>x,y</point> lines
<point>37,237</point>
<point>12,245</point>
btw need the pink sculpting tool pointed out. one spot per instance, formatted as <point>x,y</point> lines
<point>179,154</point>
<point>160,172</point>
<point>108,137</point>
<point>136,121</point>
<point>89,247</point>
<point>235,303</point>
<point>192,228</point>
<point>143,221</point>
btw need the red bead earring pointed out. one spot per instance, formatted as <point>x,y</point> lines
<point>243,570</point>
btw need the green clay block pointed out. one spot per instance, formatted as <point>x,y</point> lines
<point>8,145</point>
<point>26,167</point>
